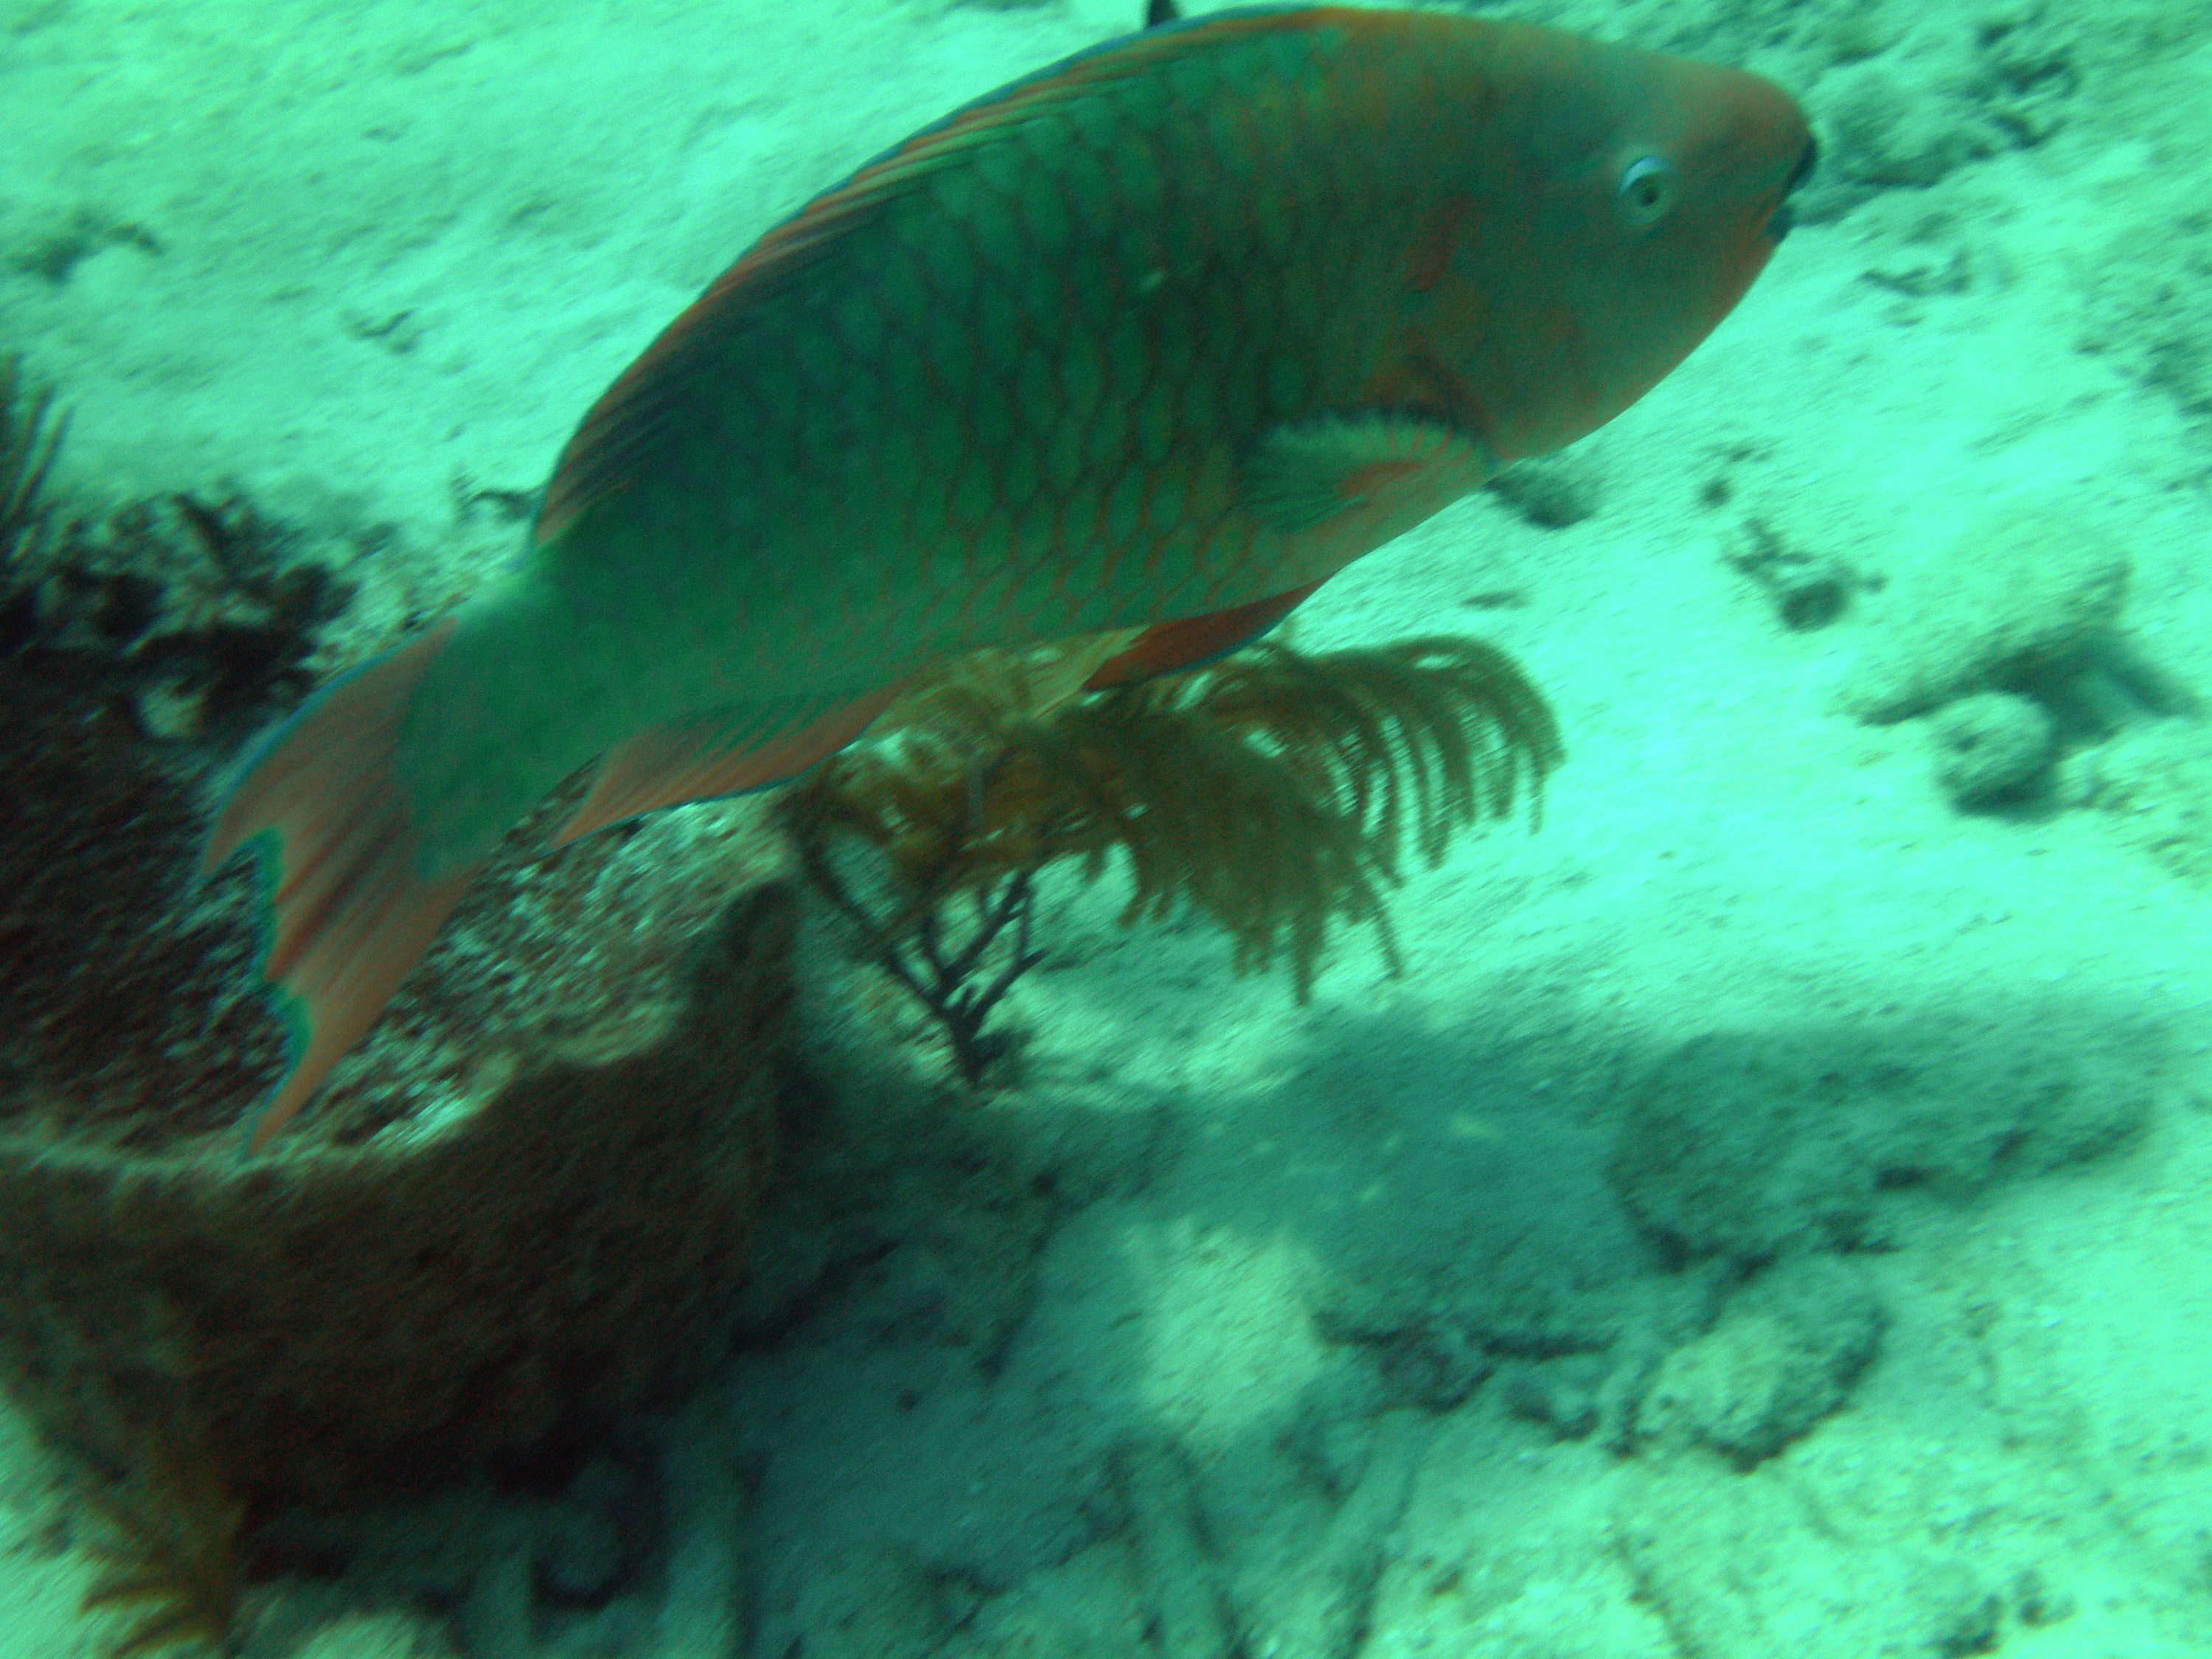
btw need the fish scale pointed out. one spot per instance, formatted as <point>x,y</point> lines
<point>1141,347</point>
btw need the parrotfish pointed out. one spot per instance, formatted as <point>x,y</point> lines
<point>1139,349</point>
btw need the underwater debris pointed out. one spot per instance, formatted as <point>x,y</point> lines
<point>1992,749</point>
<point>173,1528</point>
<point>1270,793</point>
<point>2153,787</point>
<point>1551,493</point>
<point>191,613</point>
<point>68,242</point>
<point>1786,1350</point>
<point>2025,600</point>
<point>1808,590</point>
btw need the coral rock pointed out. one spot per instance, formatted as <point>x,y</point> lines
<point>449,1259</point>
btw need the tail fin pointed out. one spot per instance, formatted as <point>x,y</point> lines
<point>348,909</point>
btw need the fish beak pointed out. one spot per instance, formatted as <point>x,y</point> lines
<point>1807,159</point>
<point>1784,216</point>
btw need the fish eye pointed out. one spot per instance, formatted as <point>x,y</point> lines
<point>1647,190</point>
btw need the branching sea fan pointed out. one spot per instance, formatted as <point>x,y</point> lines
<point>171,1548</point>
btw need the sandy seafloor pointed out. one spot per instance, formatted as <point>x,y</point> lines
<point>1769,1215</point>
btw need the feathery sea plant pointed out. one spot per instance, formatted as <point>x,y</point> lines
<point>1273,791</point>
<point>171,1547</point>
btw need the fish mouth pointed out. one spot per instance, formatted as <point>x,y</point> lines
<point>1784,216</point>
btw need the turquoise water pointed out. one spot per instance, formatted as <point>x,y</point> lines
<point>1768,1212</point>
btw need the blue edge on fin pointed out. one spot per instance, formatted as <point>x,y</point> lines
<point>262,846</point>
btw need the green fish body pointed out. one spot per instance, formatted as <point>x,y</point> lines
<point>1143,347</point>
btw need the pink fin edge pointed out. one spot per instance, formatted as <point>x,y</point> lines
<point>1171,647</point>
<point>672,764</point>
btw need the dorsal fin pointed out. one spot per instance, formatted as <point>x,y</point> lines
<point>600,458</point>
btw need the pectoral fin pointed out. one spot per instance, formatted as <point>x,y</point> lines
<point>1377,470</point>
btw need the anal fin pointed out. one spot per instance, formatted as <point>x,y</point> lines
<point>1166,648</point>
<point>706,755</point>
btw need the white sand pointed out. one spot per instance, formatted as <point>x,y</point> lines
<point>1329,1332</point>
